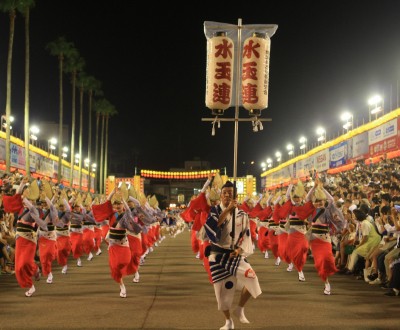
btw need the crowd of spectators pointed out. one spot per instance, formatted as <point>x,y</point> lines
<point>369,246</point>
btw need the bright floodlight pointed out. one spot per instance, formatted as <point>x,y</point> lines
<point>35,130</point>
<point>269,160</point>
<point>278,154</point>
<point>374,100</point>
<point>263,164</point>
<point>320,130</point>
<point>346,116</point>
<point>53,140</point>
<point>289,147</point>
<point>302,140</point>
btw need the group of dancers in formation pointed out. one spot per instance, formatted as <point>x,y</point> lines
<point>288,225</point>
<point>287,222</point>
<point>63,227</point>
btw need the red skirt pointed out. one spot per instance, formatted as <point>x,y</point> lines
<point>135,246</point>
<point>25,266</point>
<point>97,237</point>
<point>119,258</point>
<point>297,248</point>
<point>282,250</point>
<point>87,241</point>
<point>63,249</point>
<point>324,260</point>
<point>76,244</point>
<point>274,242</point>
<point>47,253</point>
<point>263,239</point>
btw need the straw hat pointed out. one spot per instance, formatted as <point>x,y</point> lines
<point>88,200</point>
<point>214,194</point>
<point>217,182</point>
<point>153,201</point>
<point>132,192</point>
<point>47,189</point>
<point>319,194</point>
<point>299,189</point>
<point>142,199</point>
<point>78,200</point>
<point>33,191</point>
<point>124,191</point>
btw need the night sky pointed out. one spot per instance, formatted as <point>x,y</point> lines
<point>151,61</point>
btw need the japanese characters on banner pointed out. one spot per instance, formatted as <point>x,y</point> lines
<point>358,147</point>
<point>255,72</point>
<point>338,155</point>
<point>383,138</point>
<point>17,156</point>
<point>220,56</point>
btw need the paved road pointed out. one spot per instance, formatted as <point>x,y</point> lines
<point>174,293</point>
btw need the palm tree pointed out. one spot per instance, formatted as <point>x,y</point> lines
<point>73,64</point>
<point>60,48</point>
<point>25,10</point>
<point>10,7</point>
<point>99,107</point>
<point>111,111</point>
<point>93,87</point>
<point>103,109</point>
<point>82,85</point>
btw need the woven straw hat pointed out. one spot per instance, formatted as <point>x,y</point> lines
<point>299,189</point>
<point>214,195</point>
<point>217,182</point>
<point>78,200</point>
<point>124,191</point>
<point>153,201</point>
<point>88,200</point>
<point>33,191</point>
<point>132,192</point>
<point>319,194</point>
<point>47,189</point>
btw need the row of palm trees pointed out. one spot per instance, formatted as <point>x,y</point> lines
<point>72,63</point>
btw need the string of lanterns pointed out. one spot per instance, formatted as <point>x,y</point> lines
<point>176,175</point>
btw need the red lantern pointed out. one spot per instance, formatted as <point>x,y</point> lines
<point>220,56</point>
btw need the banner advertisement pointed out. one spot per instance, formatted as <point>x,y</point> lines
<point>32,161</point>
<point>358,147</point>
<point>383,138</point>
<point>17,156</point>
<point>308,165</point>
<point>338,155</point>
<point>321,160</point>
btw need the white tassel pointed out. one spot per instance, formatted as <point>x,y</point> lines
<point>255,127</point>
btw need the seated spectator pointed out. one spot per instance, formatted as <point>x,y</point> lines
<point>347,245</point>
<point>370,239</point>
<point>394,285</point>
<point>387,243</point>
